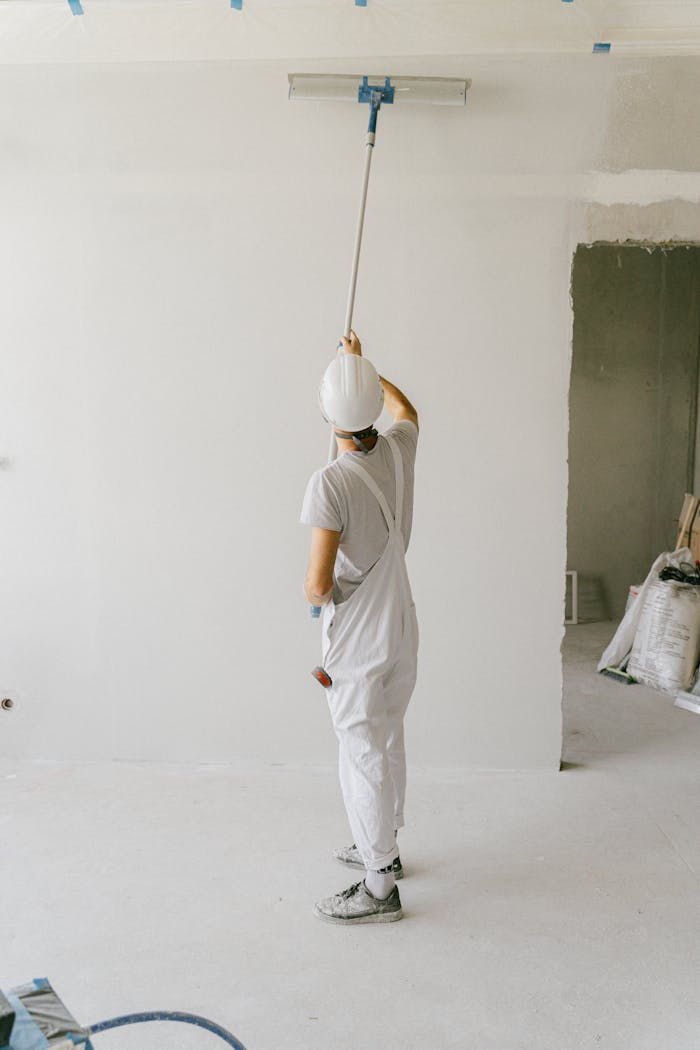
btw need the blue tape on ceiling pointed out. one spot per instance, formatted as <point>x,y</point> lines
<point>76,7</point>
<point>601,49</point>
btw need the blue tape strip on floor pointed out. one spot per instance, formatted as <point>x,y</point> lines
<point>237,5</point>
<point>601,49</point>
<point>360,3</point>
<point>76,7</point>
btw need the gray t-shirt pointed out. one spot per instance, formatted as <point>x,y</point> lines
<point>336,498</point>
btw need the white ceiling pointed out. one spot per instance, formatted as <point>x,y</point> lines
<point>186,30</point>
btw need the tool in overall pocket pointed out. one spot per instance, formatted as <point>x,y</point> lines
<point>323,677</point>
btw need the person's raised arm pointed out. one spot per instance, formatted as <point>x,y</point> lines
<point>397,404</point>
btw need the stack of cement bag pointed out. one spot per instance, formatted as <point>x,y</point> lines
<point>658,640</point>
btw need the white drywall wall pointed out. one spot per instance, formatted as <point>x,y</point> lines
<point>174,256</point>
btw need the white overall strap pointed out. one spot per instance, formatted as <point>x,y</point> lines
<point>374,489</point>
<point>398,470</point>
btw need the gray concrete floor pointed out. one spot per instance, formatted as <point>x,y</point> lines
<point>542,911</point>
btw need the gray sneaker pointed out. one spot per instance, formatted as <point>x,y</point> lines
<point>350,855</point>
<point>356,904</point>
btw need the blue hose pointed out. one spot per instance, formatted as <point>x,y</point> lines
<point>168,1015</point>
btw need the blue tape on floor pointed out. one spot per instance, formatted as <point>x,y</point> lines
<point>360,3</point>
<point>76,7</point>
<point>237,5</point>
<point>601,49</point>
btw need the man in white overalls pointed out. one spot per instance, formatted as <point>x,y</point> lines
<point>360,507</point>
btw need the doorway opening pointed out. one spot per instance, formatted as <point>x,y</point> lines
<point>633,414</point>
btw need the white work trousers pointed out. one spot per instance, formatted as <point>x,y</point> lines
<point>370,652</point>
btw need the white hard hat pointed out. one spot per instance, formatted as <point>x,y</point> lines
<point>350,394</point>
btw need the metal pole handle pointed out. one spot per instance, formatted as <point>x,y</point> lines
<point>369,146</point>
<point>358,235</point>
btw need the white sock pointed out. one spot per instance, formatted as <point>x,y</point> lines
<point>380,883</point>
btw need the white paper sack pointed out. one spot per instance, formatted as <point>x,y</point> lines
<point>632,595</point>
<point>623,639</point>
<point>667,643</point>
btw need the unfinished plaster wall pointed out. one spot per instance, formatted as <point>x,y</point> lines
<point>675,220</point>
<point>632,408</point>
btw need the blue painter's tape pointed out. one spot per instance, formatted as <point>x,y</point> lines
<point>567,1</point>
<point>237,5</point>
<point>41,983</point>
<point>76,7</point>
<point>601,49</point>
<point>79,1040</point>
<point>360,3</point>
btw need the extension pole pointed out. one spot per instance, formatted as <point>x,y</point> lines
<point>358,233</point>
<point>375,103</point>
